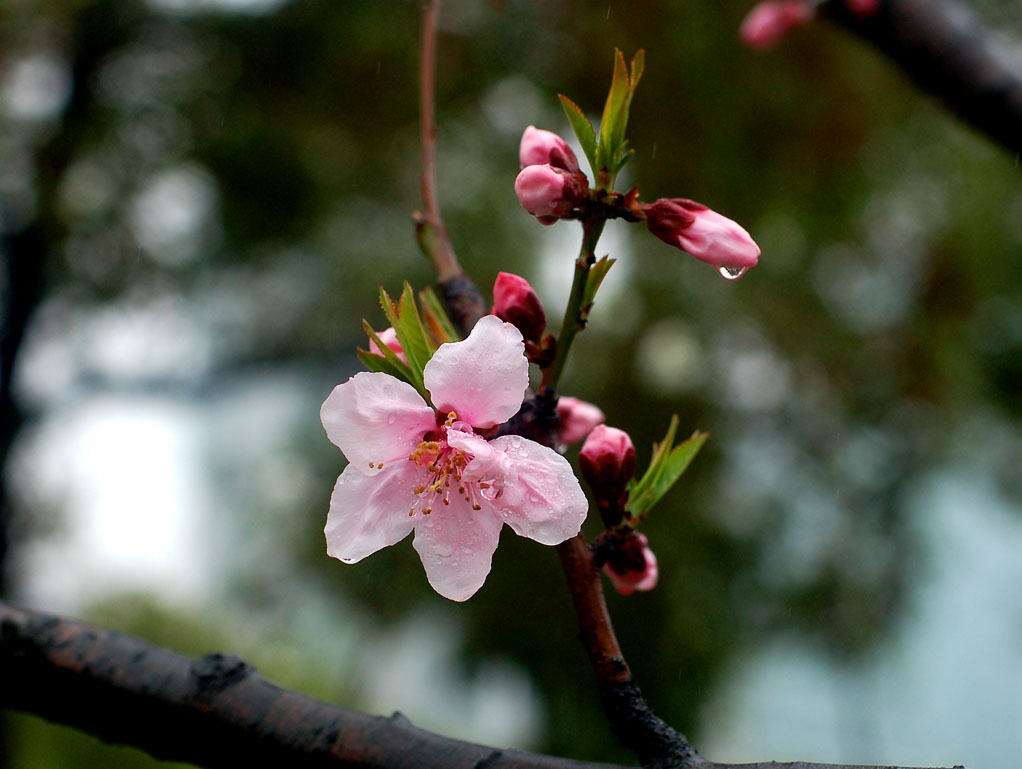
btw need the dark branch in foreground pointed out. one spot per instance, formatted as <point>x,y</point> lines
<point>218,712</point>
<point>944,47</point>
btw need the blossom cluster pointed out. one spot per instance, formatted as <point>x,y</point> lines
<point>551,186</point>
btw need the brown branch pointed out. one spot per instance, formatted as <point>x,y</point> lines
<point>429,226</point>
<point>944,47</point>
<point>218,712</point>
<point>463,299</point>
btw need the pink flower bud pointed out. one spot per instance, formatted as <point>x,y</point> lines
<point>541,147</point>
<point>769,22</point>
<point>607,460</point>
<point>389,337</point>
<point>633,566</point>
<point>548,193</point>
<point>704,233</point>
<point>863,8</point>
<point>577,419</point>
<point>516,303</point>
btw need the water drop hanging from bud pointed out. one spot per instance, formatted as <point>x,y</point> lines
<point>732,273</point>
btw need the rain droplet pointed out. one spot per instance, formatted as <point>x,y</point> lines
<point>466,550</point>
<point>732,273</point>
<point>391,419</point>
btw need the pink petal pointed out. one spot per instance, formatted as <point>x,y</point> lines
<point>482,378</point>
<point>578,418</point>
<point>375,418</point>
<point>368,513</point>
<point>456,545</point>
<point>544,502</point>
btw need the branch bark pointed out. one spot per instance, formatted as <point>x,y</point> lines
<point>218,712</point>
<point>945,48</point>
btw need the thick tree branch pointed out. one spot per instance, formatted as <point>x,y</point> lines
<point>218,712</point>
<point>946,50</point>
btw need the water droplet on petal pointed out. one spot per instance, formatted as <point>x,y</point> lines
<point>391,419</point>
<point>466,550</point>
<point>732,273</point>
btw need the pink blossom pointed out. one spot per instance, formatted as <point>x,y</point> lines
<point>415,468</point>
<point>770,21</point>
<point>548,193</point>
<point>515,302</point>
<point>863,8</point>
<point>633,566</point>
<point>541,147</point>
<point>702,232</point>
<point>577,419</point>
<point>389,338</point>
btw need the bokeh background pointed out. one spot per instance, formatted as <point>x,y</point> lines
<point>200,199</point>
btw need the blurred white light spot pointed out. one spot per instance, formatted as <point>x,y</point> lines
<point>171,211</point>
<point>124,473</point>
<point>669,357</point>
<point>36,87</point>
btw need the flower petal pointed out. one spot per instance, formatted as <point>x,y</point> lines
<point>456,545</point>
<point>368,513</point>
<point>482,378</point>
<point>544,501</point>
<point>375,418</point>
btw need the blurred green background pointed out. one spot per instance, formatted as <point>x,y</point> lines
<point>200,199</point>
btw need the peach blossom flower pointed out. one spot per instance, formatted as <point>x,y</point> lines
<point>433,471</point>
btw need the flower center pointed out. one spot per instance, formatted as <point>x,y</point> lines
<point>445,466</point>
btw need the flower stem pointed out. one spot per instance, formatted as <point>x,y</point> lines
<point>575,314</point>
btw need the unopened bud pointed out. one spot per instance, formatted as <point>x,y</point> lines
<point>577,419</point>
<point>632,566</point>
<point>516,303</point>
<point>769,22</point>
<point>607,462</point>
<point>389,338</point>
<point>548,193</point>
<point>702,232</point>
<point>541,147</point>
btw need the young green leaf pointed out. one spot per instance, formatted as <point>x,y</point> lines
<point>410,334</point>
<point>668,464</point>
<point>612,129</point>
<point>386,361</point>
<point>596,275</point>
<point>583,129</point>
<point>435,317</point>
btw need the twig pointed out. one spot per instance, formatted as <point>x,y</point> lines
<point>944,47</point>
<point>217,711</point>
<point>429,225</point>
<point>460,294</point>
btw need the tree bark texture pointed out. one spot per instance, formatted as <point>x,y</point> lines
<point>218,712</point>
<point>945,48</point>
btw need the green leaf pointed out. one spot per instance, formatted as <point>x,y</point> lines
<point>596,275</point>
<point>410,334</point>
<point>612,152</point>
<point>583,129</point>
<point>387,361</point>
<point>613,109</point>
<point>668,464</point>
<point>419,343</point>
<point>436,318</point>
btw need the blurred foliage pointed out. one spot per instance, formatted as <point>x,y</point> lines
<point>259,168</point>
